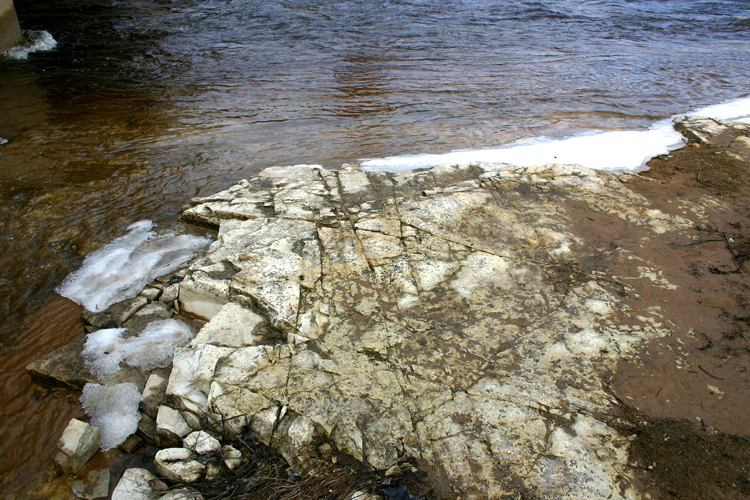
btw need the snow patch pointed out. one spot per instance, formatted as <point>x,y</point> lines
<point>105,349</point>
<point>33,41</point>
<point>614,151</point>
<point>121,269</point>
<point>737,110</point>
<point>114,410</point>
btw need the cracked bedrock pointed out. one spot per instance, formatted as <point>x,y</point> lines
<point>420,315</point>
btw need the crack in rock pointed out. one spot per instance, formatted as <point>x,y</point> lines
<point>418,313</point>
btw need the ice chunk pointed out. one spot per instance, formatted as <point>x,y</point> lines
<point>736,110</point>
<point>102,352</point>
<point>121,269</point>
<point>105,349</point>
<point>114,410</point>
<point>33,41</point>
<point>615,151</point>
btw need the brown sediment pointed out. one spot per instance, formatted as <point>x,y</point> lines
<point>686,397</point>
<point>699,373</point>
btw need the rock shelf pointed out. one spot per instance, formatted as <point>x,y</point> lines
<point>443,316</point>
<point>431,315</point>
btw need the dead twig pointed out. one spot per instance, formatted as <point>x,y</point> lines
<point>700,242</point>
<point>707,373</point>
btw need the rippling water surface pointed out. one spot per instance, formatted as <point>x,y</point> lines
<point>144,104</point>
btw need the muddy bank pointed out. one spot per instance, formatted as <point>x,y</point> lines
<point>700,372</point>
<point>690,390</point>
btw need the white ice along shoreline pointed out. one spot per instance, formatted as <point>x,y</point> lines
<point>614,151</point>
<point>154,347</point>
<point>33,41</point>
<point>121,269</point>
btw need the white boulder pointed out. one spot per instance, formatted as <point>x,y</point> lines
<point>77,445</point>
<point>176,464</point>
<point>201,442</point>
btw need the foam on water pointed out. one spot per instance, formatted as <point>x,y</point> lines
<point>121,269</point>
<point>114,410</point>
<point>33,41</point>
<point>154,347</point>
<point>614,151</point>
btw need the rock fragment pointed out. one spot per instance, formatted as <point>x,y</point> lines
<point>232,326</point>
<point>150,293</point>
<point>153,394</point>
<point>170,425</point>
<point>232,456</point>
<point>147,431</point>
<point>136,484</point>
<point>116,314</point>
<point>176,464</point>
<point>78,443</point>
<point>182,494</point>
<point>170,294</point>
<point>201,442</point>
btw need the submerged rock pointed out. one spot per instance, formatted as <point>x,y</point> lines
<point>96,485</point>
<point>63,367</point>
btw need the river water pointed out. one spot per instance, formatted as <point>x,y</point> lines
<point>144,104</point>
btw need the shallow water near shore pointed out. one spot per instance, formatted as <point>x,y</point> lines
<point>142,105</point>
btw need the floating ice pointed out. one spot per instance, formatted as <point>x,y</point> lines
<point>33,41</point>
<point>114,410</point>
<point>122,268</point>
<point>105,349</point>
<point>615,151</point>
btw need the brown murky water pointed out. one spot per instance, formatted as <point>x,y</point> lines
<point>38,413</point>
<point>145,104</point>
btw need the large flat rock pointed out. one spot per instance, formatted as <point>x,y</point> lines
<point>63,367</point>
<point>441,315</point>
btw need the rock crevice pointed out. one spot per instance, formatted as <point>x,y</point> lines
<point>437,315</point>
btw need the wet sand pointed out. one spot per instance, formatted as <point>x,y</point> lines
<point>686,397</point>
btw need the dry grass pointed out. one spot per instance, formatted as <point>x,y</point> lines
<point>330,475</point>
